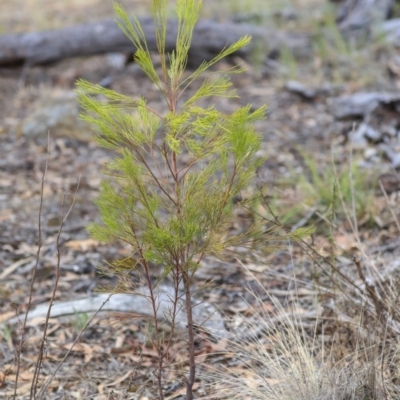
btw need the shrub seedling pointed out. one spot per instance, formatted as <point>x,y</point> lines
<point>172,211</point>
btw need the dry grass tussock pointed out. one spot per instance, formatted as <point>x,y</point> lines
<point>285,356</point>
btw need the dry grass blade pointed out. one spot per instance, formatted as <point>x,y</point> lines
<point>284,361</point>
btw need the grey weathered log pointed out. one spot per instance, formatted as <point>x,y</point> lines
<point>362,104</point>
<point>204,314</point>
<point>209,38</point>
<point>358,17</point>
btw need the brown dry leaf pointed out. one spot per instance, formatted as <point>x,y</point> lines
<point>251,379</point>
<point>124,350</point>
<point>146,362</point>
<point>21,390</point>
<point>41,320</point>
<point>88,350</point>
<point>6,182</point>
<point>25,379</point>
<point>69,277</point>
<point>10,269</point>
<point>219,346</point>
<point>119,341</point>
<point>61,337</point>
<point>135,358</point>
<point>182,391</point>
<point>149,352</point>
<point>26,376</point>
<point>82,245</point>
<point>6,316</point>
<point>267,308</point>
<point>256,267</point>
<point>346,243</point>
<point>323,246</point>
<point>101,387</point>
<point>53,328</point>
<point>25,248</point>
<point>239,309</point>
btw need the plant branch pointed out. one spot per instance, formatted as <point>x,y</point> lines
<point>19,349</point>
<point>35,378</point>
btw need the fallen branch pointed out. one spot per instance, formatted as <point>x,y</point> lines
<point>209,39</point>
<point>205,314</point>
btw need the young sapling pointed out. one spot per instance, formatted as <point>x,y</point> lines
<point>171,187</point>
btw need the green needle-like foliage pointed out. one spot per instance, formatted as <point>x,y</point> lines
<point>174,213</point>
<point>155,203</point>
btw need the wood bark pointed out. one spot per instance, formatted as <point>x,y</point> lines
<point>209,38</point>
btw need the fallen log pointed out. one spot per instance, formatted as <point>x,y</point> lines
<point>138,305</point>
<point>209,38</point>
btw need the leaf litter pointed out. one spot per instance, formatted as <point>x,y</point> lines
<point>114,355</point>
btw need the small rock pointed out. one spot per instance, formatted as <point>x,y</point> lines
<point>370,153</point>
<point>366,131</point>
<point>390,182</point>
<point>287,14</point>
<point>361,104</point>
<point>392,155</point>
<point>310,93</point>
<point>117,61</point>
<point>357,136</point>
<point>60,117</point>
<point>300,89</point>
